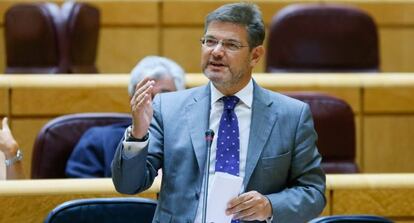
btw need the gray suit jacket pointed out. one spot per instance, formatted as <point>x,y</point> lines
<point>282,160</point>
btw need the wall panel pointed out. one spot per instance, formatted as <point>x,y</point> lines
<point>388,143</point>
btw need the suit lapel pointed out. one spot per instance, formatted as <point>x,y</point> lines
<point>262,122</point>
<point>197,117</point>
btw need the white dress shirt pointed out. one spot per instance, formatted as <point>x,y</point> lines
<point>243,112</point>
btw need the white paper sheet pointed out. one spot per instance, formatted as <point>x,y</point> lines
<point>224,187</point>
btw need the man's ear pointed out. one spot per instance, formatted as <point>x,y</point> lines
<point>256,54</point>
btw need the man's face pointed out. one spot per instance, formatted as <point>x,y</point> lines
<point>225,67</point>
<point>163,84</point>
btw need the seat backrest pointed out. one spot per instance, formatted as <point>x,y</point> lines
<point>322,38</point>
<point>58,137</point>
<point>82,28</point>
<point>335,125</point>
<point>351,219</point>
<point>33,38</point>
<point>104,210</point>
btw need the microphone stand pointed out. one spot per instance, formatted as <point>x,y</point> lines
<point>209,139</point>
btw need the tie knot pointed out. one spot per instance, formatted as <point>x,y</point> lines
<point>230,102</point>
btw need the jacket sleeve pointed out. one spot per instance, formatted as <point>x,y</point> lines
<point>136,174</point>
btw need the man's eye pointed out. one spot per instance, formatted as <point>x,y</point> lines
<point>210,42</point>
<point>232,46</point>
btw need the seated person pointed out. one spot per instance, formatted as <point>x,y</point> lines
<point>10,156</point>
<point>95,150</point>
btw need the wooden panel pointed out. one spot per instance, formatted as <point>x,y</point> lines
<point>389,94</point>
<point>112,12</point>
<point>385,202</point>
<point>389,100</point>
<point>4,96</point>
<point>25,131</point>
<point>390,195</point>
<point>36,101</point>
<point>187,12</point>
<point>16,208</point>
<point>2,50</point>
<point>396,47</point>
<point>327,210</point>
<point>120,48</point>
<point>128,13</point>
<point>387,13</point>
<point>32,95</point>
<point>183,46</point>
<point>4,6</point>
<point>31,200</point>
<point>388,144</point>
<point>359,149</point>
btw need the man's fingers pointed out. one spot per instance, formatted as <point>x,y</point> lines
<point>138,98</point>
<point>142,87</point>
<point>238,200</point>
<point>142,83</point>
<point>140,102</point>
<point>5,126</point>
<point>240,203</point>
<point>249,206</point>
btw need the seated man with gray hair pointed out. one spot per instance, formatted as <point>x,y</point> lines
<point>94,152</point>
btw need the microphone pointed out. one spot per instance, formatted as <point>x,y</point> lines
<point>209,140</point>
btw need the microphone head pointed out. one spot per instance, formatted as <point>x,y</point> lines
<point>209,135</point>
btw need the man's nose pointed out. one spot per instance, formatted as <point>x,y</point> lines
<point>218,50</point>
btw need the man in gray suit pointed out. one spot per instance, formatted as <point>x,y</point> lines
<point>268,139</point>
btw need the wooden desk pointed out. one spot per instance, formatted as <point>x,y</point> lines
<point>31,200</point>
<point>4,97</point>
<point>390,195</point>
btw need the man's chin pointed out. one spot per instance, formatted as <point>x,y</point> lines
<point>213,76</point>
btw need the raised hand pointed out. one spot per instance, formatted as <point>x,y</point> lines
<point>141,108</point>
<point>8,144</point>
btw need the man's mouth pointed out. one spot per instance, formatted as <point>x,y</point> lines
<point>216,64</point>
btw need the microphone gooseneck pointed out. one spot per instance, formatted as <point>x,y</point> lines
<point>209,135</point>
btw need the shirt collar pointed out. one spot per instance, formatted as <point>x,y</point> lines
<point>245,95</point>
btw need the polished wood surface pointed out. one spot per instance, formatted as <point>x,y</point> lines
<point>25,201</point>
<point>390,195</point>
<point>32,95</point>
<point>388,94</point>
<point>4,97</point>
<point>388,144</point>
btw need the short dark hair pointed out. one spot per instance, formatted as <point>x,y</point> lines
<point>246,14</point>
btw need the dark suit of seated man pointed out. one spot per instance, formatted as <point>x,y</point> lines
<point>94,152</point>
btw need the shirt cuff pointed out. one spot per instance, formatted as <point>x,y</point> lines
<point>131,149</point>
